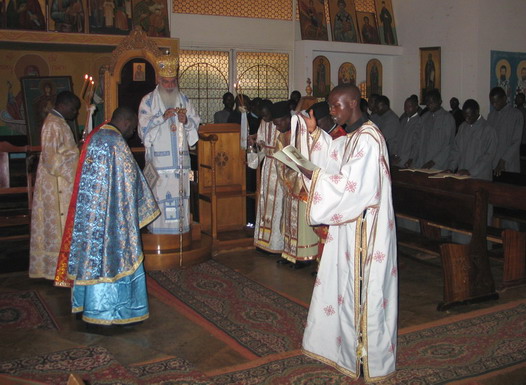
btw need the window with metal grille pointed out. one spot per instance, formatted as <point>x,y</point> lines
<point>365,5</point>
<point>204,79</point>
<point>263,74</point>
<point>206,75</point>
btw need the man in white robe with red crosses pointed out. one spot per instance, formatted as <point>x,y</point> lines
<point>352,321</point>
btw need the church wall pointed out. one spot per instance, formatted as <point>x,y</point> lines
<point>503,30</point>
<point>466,31</point>
<point>203,32</point>
<point>222,32</point>
<point>338,53</point>
<point>428,23</point>
<point>48,63</point>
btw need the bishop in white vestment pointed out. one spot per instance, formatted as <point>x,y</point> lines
<point>168,125</point>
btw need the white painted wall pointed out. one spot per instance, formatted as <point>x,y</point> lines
<point>466,31</point>
<point>503,28</point>
<point>338,53</point>
<point>221,32</point>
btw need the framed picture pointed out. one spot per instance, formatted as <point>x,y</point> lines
<point>521,77</point>
<point>347,74</point>
<point>343,21</point>
<point>430,75</point>
<point>386,22</point>
<point>3,21</point>
<point>312,20</point>
<point>374,77</point>
<point>25,15</point>
<point>152,16</point>
<point>508,71</point>
<point>67,16</point>
<point>39,94</point>
<point>139,72</point>
<point>321,74</point>
<point>111,17</point>
<point>367,27</point>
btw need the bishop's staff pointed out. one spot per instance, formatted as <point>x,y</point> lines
<point>168,66</point>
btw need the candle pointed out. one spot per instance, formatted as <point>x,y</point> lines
<point>90,91</point>
<point>240,92</point>
<point>84,86</point>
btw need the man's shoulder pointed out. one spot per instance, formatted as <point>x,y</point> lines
<point>149,96</point>
<point>443,114</point>
<point>516,112</point>
<point>485,125</point>
<point>53,121</point>
<point>106,132</point>
<point>392,116</point>
<point>368,127</point>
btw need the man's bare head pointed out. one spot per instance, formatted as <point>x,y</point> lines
<point>344,104</point>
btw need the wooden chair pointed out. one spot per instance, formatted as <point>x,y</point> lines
<point>16,189</point>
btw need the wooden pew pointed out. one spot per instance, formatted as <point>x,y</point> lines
<point>466,270</point>
<point>504,196</point>
<point>509,201</point>
<point>501,213</point>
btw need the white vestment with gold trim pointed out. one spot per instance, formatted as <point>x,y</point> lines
<point>53,186</point>
<point>353,313</point>
<point>268,234</point>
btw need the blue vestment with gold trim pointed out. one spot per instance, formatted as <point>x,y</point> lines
<point>105,260</point>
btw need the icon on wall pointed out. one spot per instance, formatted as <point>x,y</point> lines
<point>312,20</point>
<point>374,77</point>
<point>344,26</point>
<point>347,74</point>
<point>386,22</point>
<point>367,27</point>
<point>321,74</point>
<point>430,74</point>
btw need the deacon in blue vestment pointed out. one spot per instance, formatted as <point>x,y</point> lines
<point>111,202</point>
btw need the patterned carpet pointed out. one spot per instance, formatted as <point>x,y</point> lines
<point>173,371</point>
<point>482,343</point>
<point>24,310</point>
<point>260,320</point>
<point>466,349</point>
<point>93,364</point>
<point>96,366</point>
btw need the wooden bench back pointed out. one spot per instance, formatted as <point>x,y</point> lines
<point>433,201</point>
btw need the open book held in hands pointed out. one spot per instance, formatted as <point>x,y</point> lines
<point>291,157</point>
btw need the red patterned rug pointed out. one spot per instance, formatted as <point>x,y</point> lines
<point>24,310</point>
<point>248,316</point>
<point>94,364</point>
<point>461,349</point>
<point>174,371</point>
